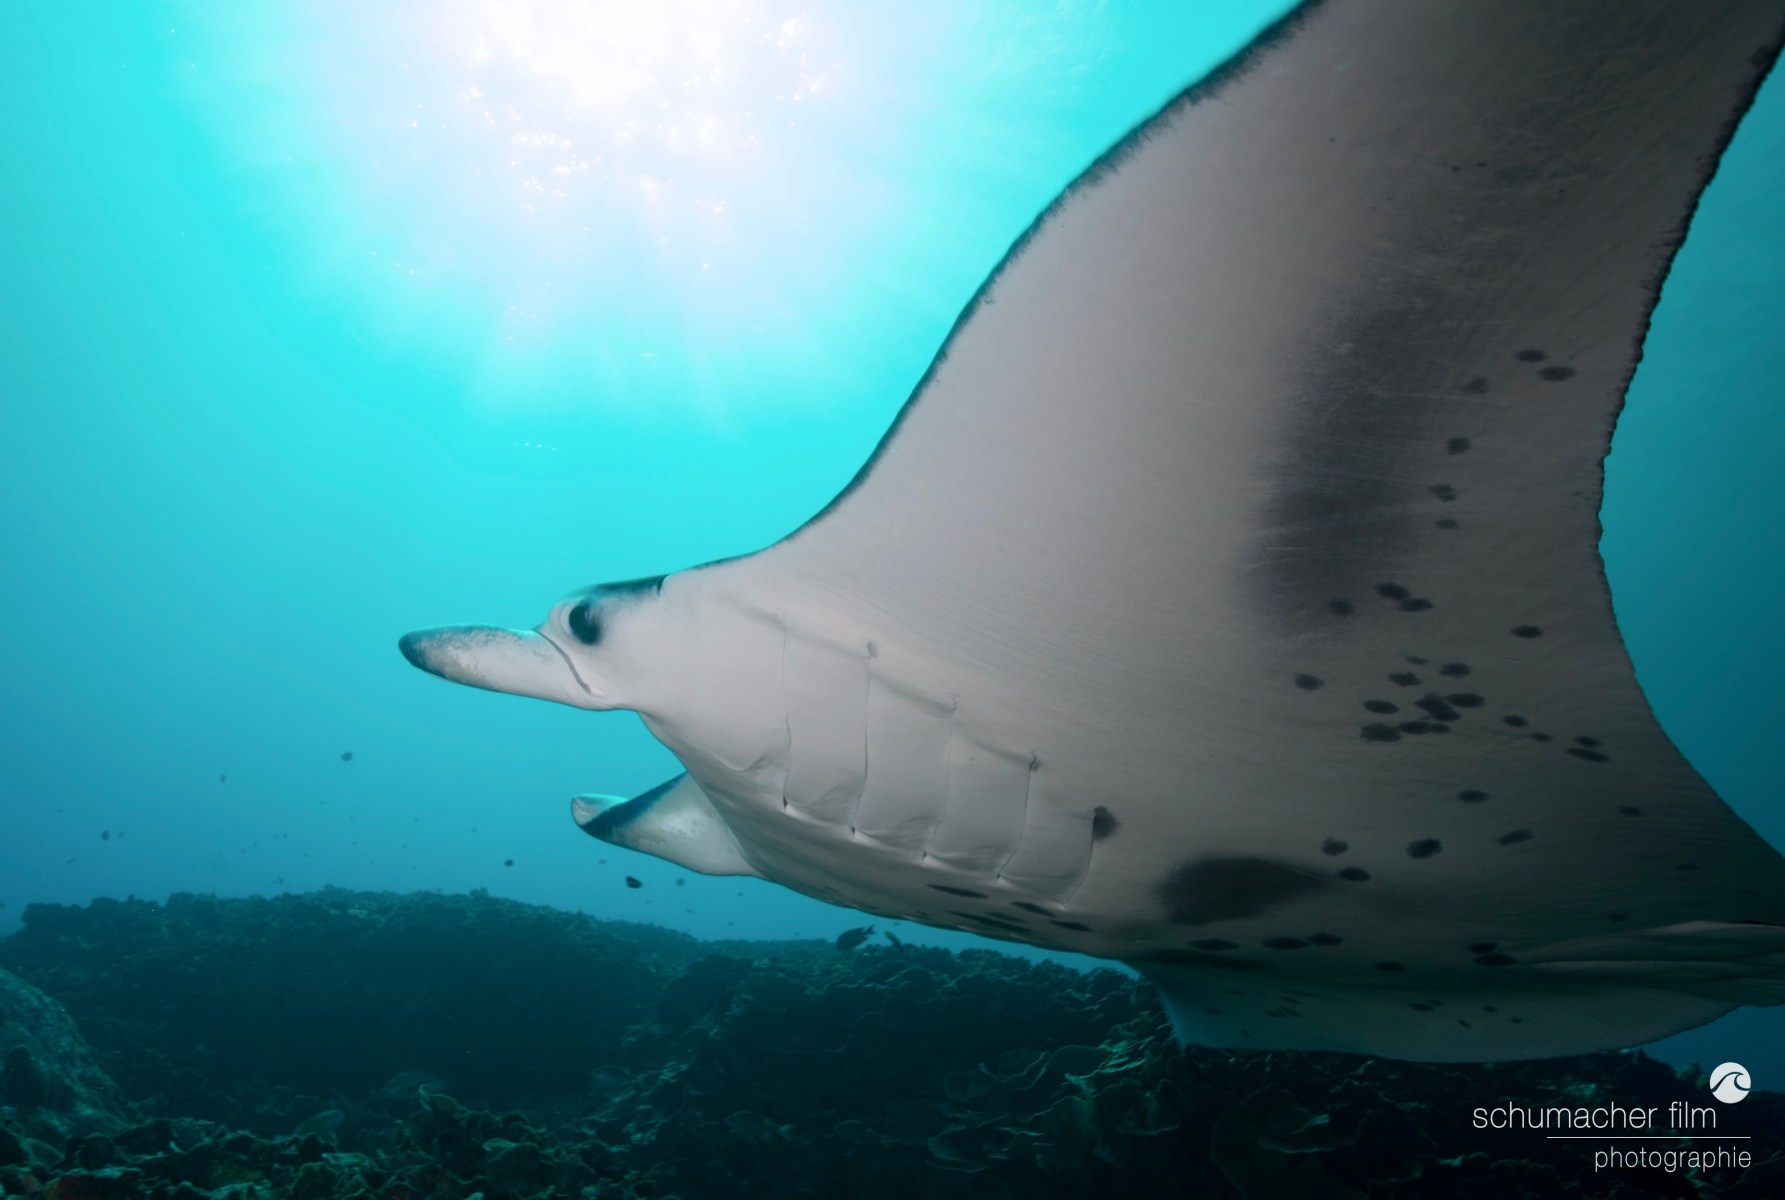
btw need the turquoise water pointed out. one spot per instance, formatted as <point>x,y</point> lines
<point>321,326</point>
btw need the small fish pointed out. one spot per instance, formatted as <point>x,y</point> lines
<point>105,835</point>
<point>892,937</point>
<point>322,1125</point>
<point>754,1127</point>
<point>849,939</point>
<point>508,862</point>
<point>346,756</point>
<point>633,883</point>
<point>222,779</point>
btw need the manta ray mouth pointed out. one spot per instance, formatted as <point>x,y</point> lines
<point>569,665</point>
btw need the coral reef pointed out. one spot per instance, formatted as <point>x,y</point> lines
<point>345,1044</point>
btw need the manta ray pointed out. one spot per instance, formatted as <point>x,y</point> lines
<point>1226,597</point>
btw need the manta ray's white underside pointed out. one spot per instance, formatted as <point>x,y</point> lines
<point>1226,599</point>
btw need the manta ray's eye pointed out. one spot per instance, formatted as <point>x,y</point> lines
<point>584,623</point>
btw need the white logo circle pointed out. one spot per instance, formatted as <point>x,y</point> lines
<point>1730,1083</point>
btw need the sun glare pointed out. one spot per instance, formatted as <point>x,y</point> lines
<point>628,182</point>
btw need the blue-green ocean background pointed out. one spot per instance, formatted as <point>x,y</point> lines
<point>320,322</point>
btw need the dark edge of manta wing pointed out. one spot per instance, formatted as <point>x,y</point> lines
<point>605,827</point>
<point>1244,60</point>
<point>1765,58</point>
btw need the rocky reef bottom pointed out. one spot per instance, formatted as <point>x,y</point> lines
<point>345,1044</point>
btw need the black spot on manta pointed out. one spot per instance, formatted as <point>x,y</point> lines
<point>956,891</point>
<point>1531,355</point>
<point>1454,670</point>
<point>1214,944</point>
<point>1381,706</point>
<point>1026,906</point>
<point>1404,679</point>
<point>1588,755</point>
<point>1418,727</point>
<point>1379,733</point>
<point>994,922</point>
<point>1416,660</point>
<point>1457,445</point>
<point>1334,846</point>
<point>1309,683</point>
<point>1103,823</point>
<point>1556,374</point>
<point>1415,604</point>
<point>1471,796</point>
<point>1494,960</point>
<point>1424,848</point>
<point>1421,1007</point>
<point>1392,591</point>
<point>1444,491</point>
<point>1542,737</point>
<point>1390,966</point>
<point>1586,741</point>
<point>1629,810</point>
<point>1354,874</point>
<point>1340,607</point>
<point>1437,708</point>
<point>1484,947</point>
<point>1477,386</point>
<point>1222,889</point>
<point>1445,523</point>
<point>1514,720</point>
<point>1324,939</point>
<point>1617,916</point>
<point>1526,631</point>
<point>1079,926</point>
<point>1465,699</point>
<point>1515,837</point>
<point>1193,958</point>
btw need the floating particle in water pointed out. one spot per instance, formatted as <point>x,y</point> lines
<point>346,756</point>
<point>633,883</point>
<point>222,779</point>
<point>679,882</point>
<point>508,862</point>
<point>105,835</point>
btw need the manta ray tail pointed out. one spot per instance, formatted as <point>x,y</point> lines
<point>1570,998</point>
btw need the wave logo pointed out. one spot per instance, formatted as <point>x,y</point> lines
<point>1730,1083</point>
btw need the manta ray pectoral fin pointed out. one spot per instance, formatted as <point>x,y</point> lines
<point>1571,997</point>
<point>1737,962</point>
<point>522,662</point>
<point>673,821</point>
